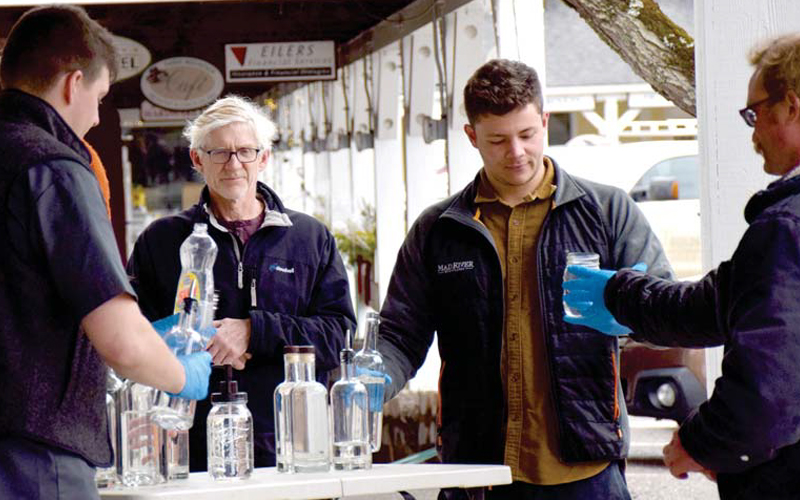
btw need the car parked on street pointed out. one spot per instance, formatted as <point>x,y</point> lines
<point>663,178</point>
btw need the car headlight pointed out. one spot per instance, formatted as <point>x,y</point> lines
<point>666,395</point>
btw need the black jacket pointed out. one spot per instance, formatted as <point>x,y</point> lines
<point>58,262</point>
<point>749,429</point>
<point>291,284</point>
<point>448,279</point>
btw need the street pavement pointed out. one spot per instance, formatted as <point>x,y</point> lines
<point>648,478</point>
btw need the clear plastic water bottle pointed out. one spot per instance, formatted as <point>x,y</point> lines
<point>350,415</point>
<point>282,407</point>
<point>172,412</point>
<point>141,444</point>
<point>309,416</point>
<point>229,433</point>
<point>370,370</point>
<point>198,253</point>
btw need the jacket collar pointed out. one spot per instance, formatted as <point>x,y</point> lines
<point>775,191</point>
<point>463,204</point>
<point>19,106</point>
<point>275,215</point>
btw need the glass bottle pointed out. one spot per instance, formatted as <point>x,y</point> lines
<point>172,412</point>
<point>198,253</point>
<point>177,443</point>
<point>584,259</point>
<point>229,432</point>
<point>282,407</point>
<point>350,415</point>
<point>140,436</point>
<point>369,369</point>
<point>309,417</point>
<point>106,477</point>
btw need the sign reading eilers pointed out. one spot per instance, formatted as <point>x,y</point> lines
<point>181,83</point>
<point>132,57</point>
<point>280,62</point>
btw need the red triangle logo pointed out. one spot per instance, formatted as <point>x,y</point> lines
<point>239,53</point>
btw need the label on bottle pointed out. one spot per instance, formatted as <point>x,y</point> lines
<point>188,286</point>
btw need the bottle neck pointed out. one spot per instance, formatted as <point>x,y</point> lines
<point>348,370</point>
<point>291,371</point>
<point>371,337</point>
<point>305,372</point>
<point>186,320</point>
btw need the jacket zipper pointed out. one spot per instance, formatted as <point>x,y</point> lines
<point>616,394</point>
<point>240,265</point>
<point>439,406</point>
<point>253,298</point>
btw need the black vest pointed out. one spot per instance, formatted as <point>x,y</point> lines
<point>52,381</point>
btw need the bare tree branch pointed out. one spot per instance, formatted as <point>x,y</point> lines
<point>657,49</point>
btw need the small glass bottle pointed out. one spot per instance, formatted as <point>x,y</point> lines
<point>309,417</point>
<point>584,259</point>
<point>229,432</point>
<point>369,367</point>
<point>172,412</point>
<point>350,416</point>
<point>177,443</point>
<point>282,407</point>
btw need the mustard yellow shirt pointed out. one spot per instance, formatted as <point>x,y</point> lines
<point>531,442</point>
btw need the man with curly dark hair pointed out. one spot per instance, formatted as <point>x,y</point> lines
<point>483,269</point>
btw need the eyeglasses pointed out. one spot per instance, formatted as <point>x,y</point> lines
<point>749,114</point>
<point>223,156</point>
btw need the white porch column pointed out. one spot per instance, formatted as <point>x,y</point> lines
<point>470,29</point>
<point>731,171</point>
<point>343,208</point>
<point>390,196</point>
<point>426,173</point>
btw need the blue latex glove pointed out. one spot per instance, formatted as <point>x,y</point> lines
<point>164,325</point>
<point>375,392</point>
<point>585,294</point>
<point>197,367</point>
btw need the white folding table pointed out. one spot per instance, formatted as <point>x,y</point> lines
<point>267,484</point>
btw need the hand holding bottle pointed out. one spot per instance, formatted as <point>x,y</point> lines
<point>197,367</point>
<point>376,396</point>
<point>585,294</point>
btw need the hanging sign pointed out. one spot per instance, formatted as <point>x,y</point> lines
<point>181,83</point>
<point>280,62</point>
<point>132,57</point>
<point>150,112</point>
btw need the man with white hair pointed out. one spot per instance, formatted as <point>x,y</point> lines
<point>278,275</point>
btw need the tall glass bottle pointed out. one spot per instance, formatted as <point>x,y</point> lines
<point>106,477</point>
<point>198,253</point>
<point>370,370</point>
<point>309,417</point>
<point>282,407</point>
<point>172,412</point>
<point>141,438</point>
<point>350,415</point>
<point>229,432</point>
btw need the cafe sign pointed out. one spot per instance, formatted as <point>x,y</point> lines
<point>181,83</point>
<point>280,62</point>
